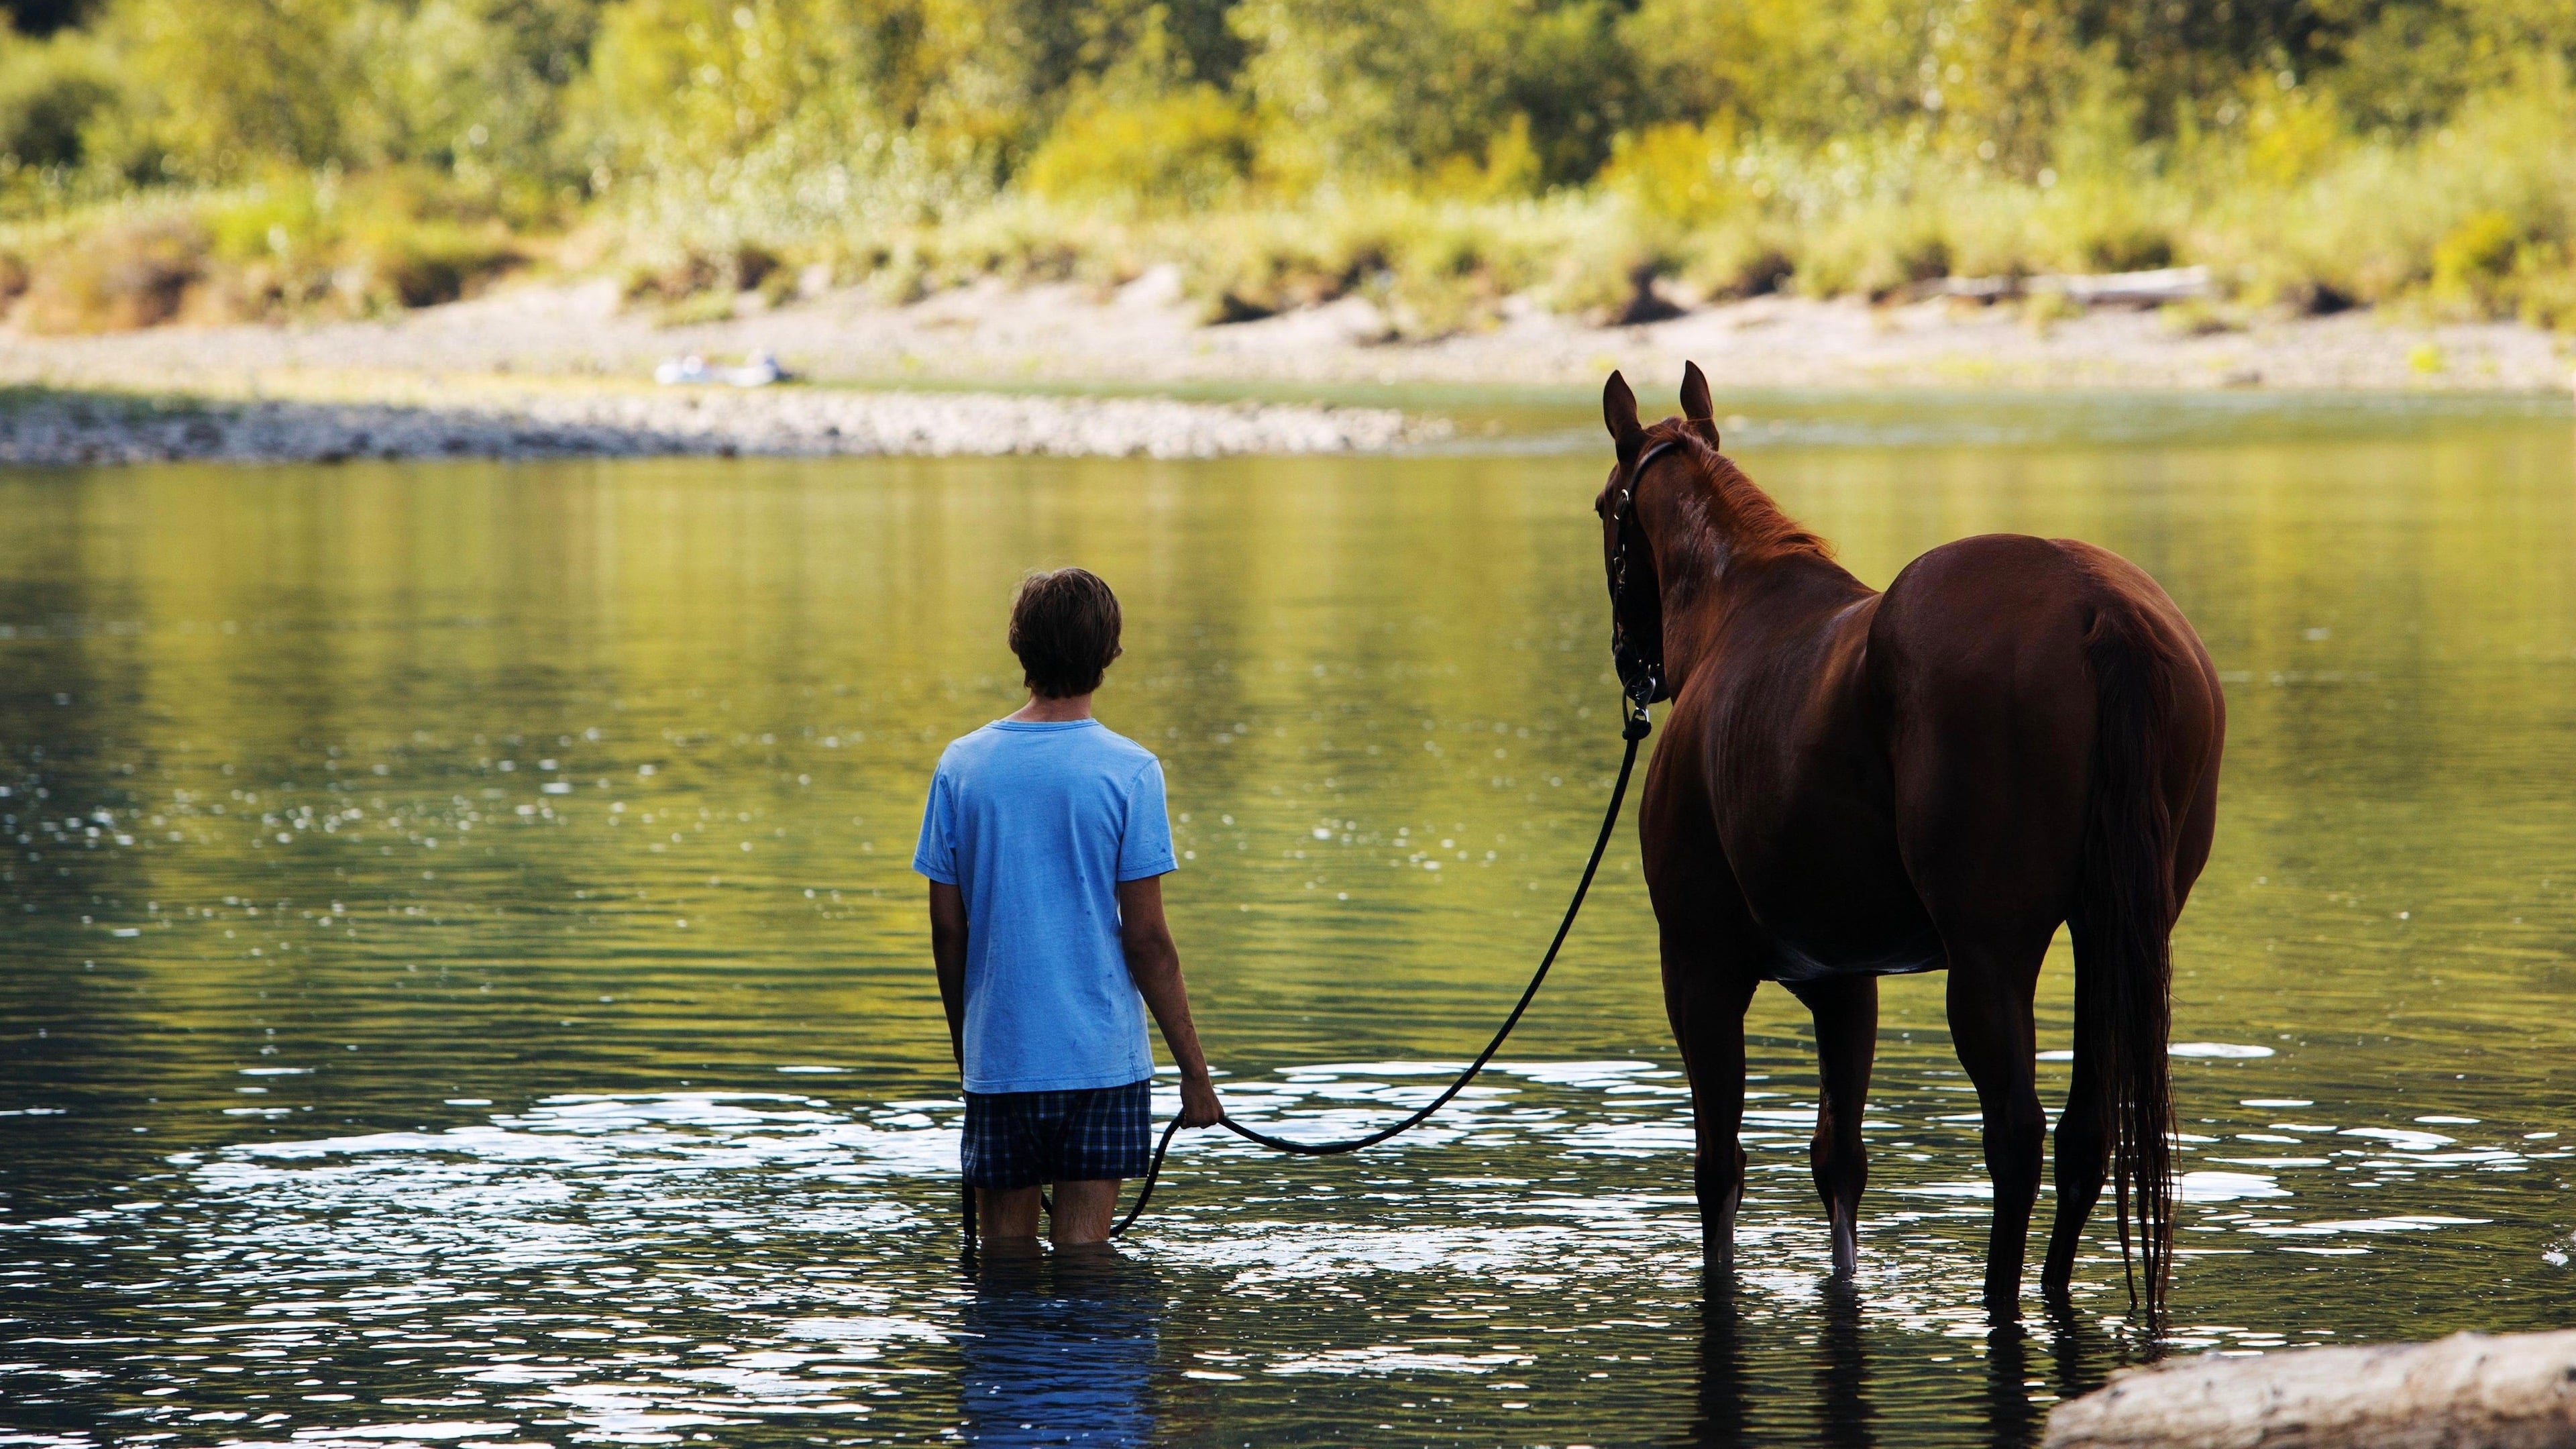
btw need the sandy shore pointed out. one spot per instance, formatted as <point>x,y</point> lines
<point>565,369</point>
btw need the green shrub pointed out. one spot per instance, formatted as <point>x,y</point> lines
<point>134,273</point>
<point>1188,150</point>
<point>1674,172</point>
<point>422,263</point>
<point>2473,262</point>
<point>2044,310</point>
<point>2545,291</point>
<point>50,92</point>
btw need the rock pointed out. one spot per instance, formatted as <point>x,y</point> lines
<point>2469,1391</point>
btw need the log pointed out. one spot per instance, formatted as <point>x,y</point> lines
<point>2468,1391</point>
<point>2108,289</point>
<point>2131,289</point>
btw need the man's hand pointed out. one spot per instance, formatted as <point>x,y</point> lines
<point>1199,1104</point>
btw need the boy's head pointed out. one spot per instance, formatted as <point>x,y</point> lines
<point>1064,627</point>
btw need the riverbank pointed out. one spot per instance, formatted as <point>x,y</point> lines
<point>396,417</point>
<point>554,370</point>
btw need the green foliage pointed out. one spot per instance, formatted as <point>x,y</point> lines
<point>1676,173</point>
<point>1355,90</point>
<point>50,92</point>
<point>213,88</point>
<point>1189,148</point>
<point>291,244</point>
<point>477,89</point>
<point>267,157</point>
<point>2471,263</point>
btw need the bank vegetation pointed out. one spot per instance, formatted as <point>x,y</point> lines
<point>168,160</point>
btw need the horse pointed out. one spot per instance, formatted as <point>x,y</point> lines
<point>2018,733</point>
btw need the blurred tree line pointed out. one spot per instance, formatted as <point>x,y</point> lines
<point>545,98</point>
<point>799,115</point>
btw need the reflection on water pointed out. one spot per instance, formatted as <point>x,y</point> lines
<point>463,985</point>
<point>1059,1348</point>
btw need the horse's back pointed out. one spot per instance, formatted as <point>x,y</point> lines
<point>1986,603</point>
<point>1983,656</point>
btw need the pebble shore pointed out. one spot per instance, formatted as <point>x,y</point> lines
<point>563,369</point>
<point>48,427</point>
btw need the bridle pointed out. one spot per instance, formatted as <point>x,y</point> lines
<point>1638,680</point>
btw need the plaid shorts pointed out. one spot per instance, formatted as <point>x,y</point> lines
<point>1022,1139</point>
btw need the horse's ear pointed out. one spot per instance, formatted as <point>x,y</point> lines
<point>1619,414</point>
<point>1697,406</point>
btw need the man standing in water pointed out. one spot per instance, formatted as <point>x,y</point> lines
<point>1046,842</point>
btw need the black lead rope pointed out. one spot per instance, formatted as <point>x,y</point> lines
<point>1634,732</point>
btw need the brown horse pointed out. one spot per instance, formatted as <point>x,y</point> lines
<point>2019,732</point>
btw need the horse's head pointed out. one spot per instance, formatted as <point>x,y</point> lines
<point>1627,553</point>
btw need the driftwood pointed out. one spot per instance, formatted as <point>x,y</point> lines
<point>2469,1391</point>
<point>2108,289</point>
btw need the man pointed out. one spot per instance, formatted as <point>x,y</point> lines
<point>1046,841</point>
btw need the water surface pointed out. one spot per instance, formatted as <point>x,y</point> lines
<point>464,983</point>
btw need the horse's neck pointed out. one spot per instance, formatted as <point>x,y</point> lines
<point>1751,602</point>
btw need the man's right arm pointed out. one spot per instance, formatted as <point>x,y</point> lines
<point>1155,965</point>
<point>948,956</point>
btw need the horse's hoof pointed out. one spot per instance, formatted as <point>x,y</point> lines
<point>1846,1235</point>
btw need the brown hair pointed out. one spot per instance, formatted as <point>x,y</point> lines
<point>1064,627</point>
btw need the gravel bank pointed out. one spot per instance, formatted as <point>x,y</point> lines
<point>1147,334</point>
<point>561,370</point>
<point>57,427</point>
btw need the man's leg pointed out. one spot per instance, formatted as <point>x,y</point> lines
<point>998,1147</point>
<point>1107,1136</point>
<point>1084,1211</point>
<point>1007,1217</point>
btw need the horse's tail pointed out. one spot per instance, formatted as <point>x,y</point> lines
<point>2123,919</point>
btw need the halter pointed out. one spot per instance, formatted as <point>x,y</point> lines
<point>1641,682</point>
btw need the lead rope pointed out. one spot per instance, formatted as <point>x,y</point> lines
<point>1634,731</point>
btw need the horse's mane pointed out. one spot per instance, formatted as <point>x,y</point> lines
<point>1755,529</point>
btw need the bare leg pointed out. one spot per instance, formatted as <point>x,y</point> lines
<point>1006,1219</point>
<point>1707,1012</point>
<point>1846,1012</point>
<point>1084,1211</point>
<point>1990,995</point>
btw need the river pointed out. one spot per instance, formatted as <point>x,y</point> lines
<point>464,981</point>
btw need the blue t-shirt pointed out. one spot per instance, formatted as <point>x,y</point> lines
<point>1036,823</point>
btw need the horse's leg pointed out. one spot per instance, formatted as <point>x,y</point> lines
<point>1846,1012</point>
<point>1706,1003</point>
<point>1991,985</point>
<point>2083,1161</point>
